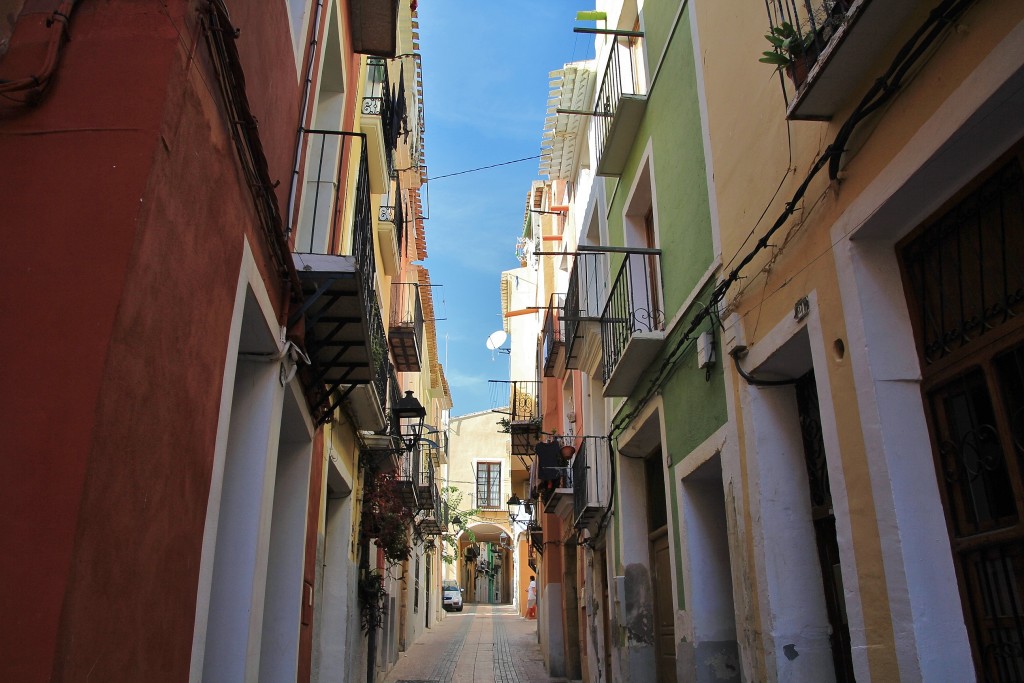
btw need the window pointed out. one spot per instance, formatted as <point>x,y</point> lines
<point>488,485</point>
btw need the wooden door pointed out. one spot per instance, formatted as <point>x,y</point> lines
<point>963,271</point>
<point>664,617</point>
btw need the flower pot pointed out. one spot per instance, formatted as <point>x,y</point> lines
<point>798,69</point>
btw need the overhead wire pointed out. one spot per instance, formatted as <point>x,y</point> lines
<point>484,168</point>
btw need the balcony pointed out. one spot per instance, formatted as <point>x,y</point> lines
<point>376,122</point>
<point>344,331</point>
<point>536,540</point>
<point>433,521</point>
<point>391,229</point>
<point>406,327</point>
<point>427,495</point>
<point>621,102</point>
<point>384,447</point>
<point>407,477</point>
<point>551,477</point>
<point>523,416</point>
<point>584,300</point>
<point>374,26</point>
<point>848,39</point>
<point>590,492</point>
<point>632,322</point>
<point>553,339</point>
<point>557,494</point>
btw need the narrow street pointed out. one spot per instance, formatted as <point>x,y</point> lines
<point>482,643</point>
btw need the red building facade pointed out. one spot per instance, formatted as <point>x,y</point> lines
<point>157,421</point>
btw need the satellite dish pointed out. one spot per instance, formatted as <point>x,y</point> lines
<point>496,339</point>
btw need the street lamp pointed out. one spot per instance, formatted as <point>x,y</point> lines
<point>409,414</point>
<point>515,506</point>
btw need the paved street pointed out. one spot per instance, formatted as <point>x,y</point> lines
<point>482,643</point>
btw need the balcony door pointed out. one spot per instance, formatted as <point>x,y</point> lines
<point>644,272</point>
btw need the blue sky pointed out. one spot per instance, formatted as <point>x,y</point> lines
<point>485,82</point>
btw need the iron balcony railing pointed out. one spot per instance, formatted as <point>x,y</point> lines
<point>435,520</point>
<point>519,399</point>
<point>586,476</point>
<point>382,371</point>
<point>814,22</point>
<point>579,478</point>
<point>427,486</point>
<point>406,326</point>
<point>377,101</point>
<point>583,300</point>
<point>407,477</point>
<point>634,304</point>
<point>328,154</point>
<point>621,78</point>
<point>553,336</point>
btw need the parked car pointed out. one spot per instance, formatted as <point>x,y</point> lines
<point>451,596</point>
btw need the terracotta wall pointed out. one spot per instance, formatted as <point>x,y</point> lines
<point>125,215</point>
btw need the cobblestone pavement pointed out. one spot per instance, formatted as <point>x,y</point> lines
<point>482,643</point>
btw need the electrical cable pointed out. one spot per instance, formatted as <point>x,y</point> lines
<point>34,84</point>
<point>484,168</point>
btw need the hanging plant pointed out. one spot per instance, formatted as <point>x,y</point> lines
<point>372,597</point>
<point>385,518</point>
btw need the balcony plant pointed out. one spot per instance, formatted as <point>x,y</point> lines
<point>372,597</point>
<point>792,51</point>
<point>385,517</point>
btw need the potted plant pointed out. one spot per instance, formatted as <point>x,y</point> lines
<point>791,51</point>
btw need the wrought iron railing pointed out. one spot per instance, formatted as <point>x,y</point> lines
<point>438,512</point>
<point>394,428</point>
<point>586,469</point>
<point>634,304</point>
<point>583,299</point>
<point>807,27</point>
<point>377,102</point>
<point>428,489</point>
<point>519,399</point>
<point>409,466</point>
<point>552,335</point>
<point>580,466</point>
<point>328,153</point>
<point>407,309</point>
<point>621,78</point>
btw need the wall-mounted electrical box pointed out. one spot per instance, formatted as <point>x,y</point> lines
<point>706,349</point>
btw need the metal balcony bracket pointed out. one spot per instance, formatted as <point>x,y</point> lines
<point>341,397</point>
<point>309,300</point>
